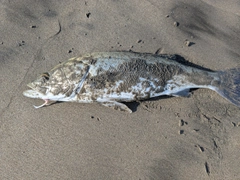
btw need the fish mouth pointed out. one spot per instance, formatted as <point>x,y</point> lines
<point>35,93</point>
<point>32,92</point>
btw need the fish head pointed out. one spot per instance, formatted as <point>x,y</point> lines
<point>61,83</point>
<point>45,87</point>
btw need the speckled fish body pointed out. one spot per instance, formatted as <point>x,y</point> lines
<point>114,77</point>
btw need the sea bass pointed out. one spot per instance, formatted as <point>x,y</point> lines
<point>111,78</point>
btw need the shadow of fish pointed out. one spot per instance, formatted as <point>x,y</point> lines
<point>110,78</point>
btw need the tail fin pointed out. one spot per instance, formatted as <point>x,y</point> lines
<point>229,86</point>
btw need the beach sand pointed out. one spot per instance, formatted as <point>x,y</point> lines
<point>164,138</point>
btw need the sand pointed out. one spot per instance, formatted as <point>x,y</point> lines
<point>165,138</point>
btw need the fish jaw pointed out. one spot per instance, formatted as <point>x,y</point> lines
<point>33,94</point>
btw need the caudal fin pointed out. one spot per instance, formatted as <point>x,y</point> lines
<point>229,86</point>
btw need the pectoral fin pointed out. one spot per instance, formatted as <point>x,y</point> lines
<point>183,93</point>
<point>117,106</point>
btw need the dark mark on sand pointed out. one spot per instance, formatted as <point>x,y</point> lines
<point>88,14</point>
<point>207,168</point>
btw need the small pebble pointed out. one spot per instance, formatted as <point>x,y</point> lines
<point>176,24</point>
<point>188,43</point>
<point>88,14</point>
<point>181,131</point>
<point>233,123</point>
<point>181,122</point>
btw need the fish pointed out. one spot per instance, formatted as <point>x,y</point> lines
<point>112,78</point>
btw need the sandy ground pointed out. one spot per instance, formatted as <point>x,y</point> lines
<point>165,138</point>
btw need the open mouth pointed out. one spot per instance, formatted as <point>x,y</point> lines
<point>32,93</point>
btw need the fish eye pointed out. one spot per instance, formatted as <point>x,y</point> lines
<point>45,75</point>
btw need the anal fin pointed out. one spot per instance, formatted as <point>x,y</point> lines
<point>117,106</point>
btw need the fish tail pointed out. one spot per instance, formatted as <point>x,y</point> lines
<point>229,85</point>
